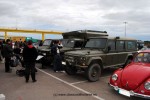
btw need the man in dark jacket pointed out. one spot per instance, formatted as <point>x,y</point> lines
<point>57,66</point>
<point>7,52</point>
<point>29,56</point>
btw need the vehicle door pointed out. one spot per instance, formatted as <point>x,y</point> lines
<point>110,58</point>
<point>121,52</point>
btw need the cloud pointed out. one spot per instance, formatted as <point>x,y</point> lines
<point>67,15</point>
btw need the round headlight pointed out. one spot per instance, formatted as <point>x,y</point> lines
<point>82,58</point>
<point>114,77</point>
<point>147,85</point>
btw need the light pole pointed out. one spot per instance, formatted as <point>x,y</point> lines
<point>125,27</point>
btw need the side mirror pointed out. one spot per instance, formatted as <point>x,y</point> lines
<point>109,48</point>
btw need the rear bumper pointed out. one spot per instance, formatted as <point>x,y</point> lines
<point>132,93</point>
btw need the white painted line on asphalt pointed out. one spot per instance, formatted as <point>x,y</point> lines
<point>2,97</point>
<point>78,82</point>
<point>97,97</point>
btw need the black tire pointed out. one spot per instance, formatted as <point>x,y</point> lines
<point>93,72</point>
<point>17,72</point>
<point>70,70</point>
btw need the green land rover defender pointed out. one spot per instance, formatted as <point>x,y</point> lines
<point>99,52</point>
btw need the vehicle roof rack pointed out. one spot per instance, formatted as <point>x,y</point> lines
<point>84,34</point>
<point>94,31</point>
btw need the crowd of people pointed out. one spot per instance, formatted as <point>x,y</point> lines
<point>24,49</point>
<point>29,54</point>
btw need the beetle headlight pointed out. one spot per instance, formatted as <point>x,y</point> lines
<point>114,77</point>
<point>147,85</point>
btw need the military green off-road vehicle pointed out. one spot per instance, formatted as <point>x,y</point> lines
<point>99,53</point>
<point>44,50</point>
<point>75,40</point>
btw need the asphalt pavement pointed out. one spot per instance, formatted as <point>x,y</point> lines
<point>57,86</point>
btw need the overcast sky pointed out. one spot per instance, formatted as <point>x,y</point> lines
<point>68,15</point>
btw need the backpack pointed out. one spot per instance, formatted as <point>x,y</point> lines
<point>14,62</point>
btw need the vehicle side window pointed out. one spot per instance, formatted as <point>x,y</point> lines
<point>112,45</point>
<point>131,45</point>
<point>120,45</point>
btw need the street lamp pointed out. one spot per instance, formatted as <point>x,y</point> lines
<point>125,27</point>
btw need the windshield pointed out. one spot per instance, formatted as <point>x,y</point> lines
<point>68,43</point>
<point>96,43</point>
<point>145,48</point>
<point>47,42</point>
<point>142,57</point>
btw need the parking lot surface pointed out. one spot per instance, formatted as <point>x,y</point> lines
<point>57,86</point>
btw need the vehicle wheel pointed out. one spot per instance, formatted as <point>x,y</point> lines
<point>127,62</point>
<point>17,72</point>
<point>70,70</point>
<point>93,72</point>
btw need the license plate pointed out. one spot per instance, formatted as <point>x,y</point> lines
<point>124,92</point>
<point>64,63</point>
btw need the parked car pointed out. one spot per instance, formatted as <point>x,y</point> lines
<point>134,79</point>
<point>144,48</point>
<point>45,51</point>
<point>72,40</point>
<point>100,52</point>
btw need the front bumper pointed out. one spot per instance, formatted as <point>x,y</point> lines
<point>129,93</point>
<point>72,64</point>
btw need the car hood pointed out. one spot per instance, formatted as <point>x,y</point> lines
<point>44,48</point>
<point>134,75</point>
<point>65,49</point>
<point>83,52</point>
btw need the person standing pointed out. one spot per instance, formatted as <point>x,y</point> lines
<point>57,66</point>
<point>29,56</point>
<point>7,52</point>
<point>1,45</point>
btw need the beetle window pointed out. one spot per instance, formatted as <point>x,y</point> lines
<point>143,58</point>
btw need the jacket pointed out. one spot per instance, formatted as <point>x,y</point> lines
<point>29,54</point>
<point>7,50</point>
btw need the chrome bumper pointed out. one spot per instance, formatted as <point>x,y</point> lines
<point>132,93</point>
